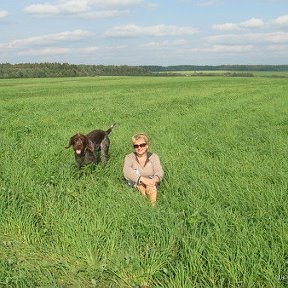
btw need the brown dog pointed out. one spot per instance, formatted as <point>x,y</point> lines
<point>86,146</point>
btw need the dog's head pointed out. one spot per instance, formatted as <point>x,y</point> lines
<point>80,143</point>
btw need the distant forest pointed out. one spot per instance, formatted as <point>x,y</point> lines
<point>43,70</point>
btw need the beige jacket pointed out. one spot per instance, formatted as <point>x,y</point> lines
<point>133,171</point>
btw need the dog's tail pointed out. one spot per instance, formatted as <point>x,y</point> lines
<point>110,129</point>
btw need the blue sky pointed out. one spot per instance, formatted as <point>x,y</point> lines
<point>144,32</point>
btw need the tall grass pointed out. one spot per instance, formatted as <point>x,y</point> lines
<point>221,217</point>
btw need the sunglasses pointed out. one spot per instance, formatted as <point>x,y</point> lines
<point>139,145</point>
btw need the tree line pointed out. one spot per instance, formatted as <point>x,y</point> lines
<point>239,68</point>
<point>43,70</point>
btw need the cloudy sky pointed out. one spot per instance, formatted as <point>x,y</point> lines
<point>144,32</point>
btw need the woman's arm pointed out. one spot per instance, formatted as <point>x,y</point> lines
<point>157,167</point>
<point>128,172</point>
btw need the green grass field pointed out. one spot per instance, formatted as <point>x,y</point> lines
<point>221,217</point>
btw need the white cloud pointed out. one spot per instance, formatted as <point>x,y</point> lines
<point>277,37</point>
<point>44,52</point>
<point>223,49</point>
<point>114,3</point>
<point>42,9</point>
<point>50,51</point>
<point>203,3</point>
<point>78,7</point>
<point>3,14</point>
<point>133,30</point>
<point>278,49</point>
<point>88,50</point>
<point>22,50</point>
<point>46,39</point>
<point>251,23</point>
<point>281,20</point>
<point>104,14</point>
<point>165,43</point>
<point>113,48</point>
<point>231,48</point>
<point>209,3</point>
<point>153,5</point>
<point>226,27</point>
<point>273,37</point>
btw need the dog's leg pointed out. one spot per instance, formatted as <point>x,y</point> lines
<point>104,149</point>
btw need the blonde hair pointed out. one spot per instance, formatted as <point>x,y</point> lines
<point>140,136</point>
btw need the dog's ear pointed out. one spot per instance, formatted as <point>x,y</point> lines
<point>90,146</point>
<point>70,142</point>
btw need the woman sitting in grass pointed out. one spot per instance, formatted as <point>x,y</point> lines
<point>142,169</point>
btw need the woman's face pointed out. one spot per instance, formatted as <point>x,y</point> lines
<point>140,146</point>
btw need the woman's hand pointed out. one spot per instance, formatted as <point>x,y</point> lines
<point>148,181</point>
